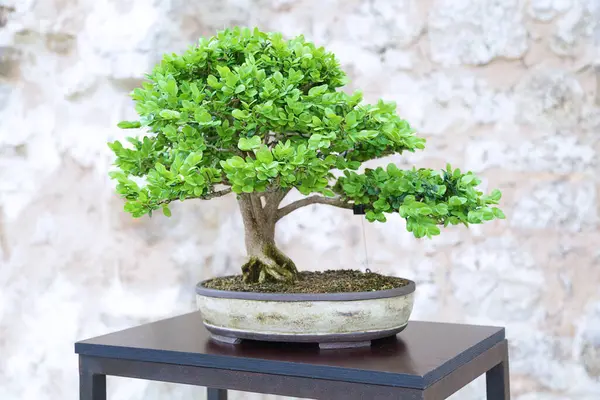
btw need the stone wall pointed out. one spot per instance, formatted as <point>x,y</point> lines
<point>506,88</point>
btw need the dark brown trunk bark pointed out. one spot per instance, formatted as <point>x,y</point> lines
<point>265,261</point>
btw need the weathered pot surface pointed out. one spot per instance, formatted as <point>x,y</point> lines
<point>331,319</point>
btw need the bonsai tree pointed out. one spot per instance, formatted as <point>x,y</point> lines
<point>251,113</point>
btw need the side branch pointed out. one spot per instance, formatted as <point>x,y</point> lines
<point>218,193</point>
<point>207,196</point>
<point>273,199</point>
<point>332,201</point>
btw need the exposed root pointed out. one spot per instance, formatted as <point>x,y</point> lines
<point>251,271</point>
<point>266,262</point>
<point>273,266</point>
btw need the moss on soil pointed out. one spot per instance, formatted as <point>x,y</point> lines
<point>334,281</point>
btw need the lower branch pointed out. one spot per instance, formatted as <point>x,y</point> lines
<point>273,199</point>
<point>207,196</point>
<point>332,201</point>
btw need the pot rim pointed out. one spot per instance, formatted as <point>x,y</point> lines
<point>343,296</point>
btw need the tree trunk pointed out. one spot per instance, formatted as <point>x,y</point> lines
<point>265,261</point>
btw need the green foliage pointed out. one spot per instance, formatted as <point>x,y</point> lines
<point>253,112</point>
<point>424,197</point>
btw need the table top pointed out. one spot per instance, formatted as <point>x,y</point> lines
<point>415,358</point>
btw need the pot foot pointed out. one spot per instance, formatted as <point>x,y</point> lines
<point>226,339</point>
<point>344,345</point>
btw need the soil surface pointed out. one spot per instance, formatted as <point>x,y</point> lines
<point>334,281</point>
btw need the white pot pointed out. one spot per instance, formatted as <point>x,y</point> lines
<point>332,319</point>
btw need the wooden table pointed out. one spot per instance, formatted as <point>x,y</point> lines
<point>426,361</point>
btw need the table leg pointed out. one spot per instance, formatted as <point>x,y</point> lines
<point>216,394</point>
<point>497,379</point>
<point>91,386</point>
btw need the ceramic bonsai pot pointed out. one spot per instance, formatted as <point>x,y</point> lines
<point>330,319</point>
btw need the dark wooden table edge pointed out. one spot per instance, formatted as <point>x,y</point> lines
<point>289,368</point>
<point>244,364</point>
<point>465,357</point>
<point>215,378</point>
<point>492,362</point>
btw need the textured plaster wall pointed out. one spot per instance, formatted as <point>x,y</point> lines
<point>506,88</point>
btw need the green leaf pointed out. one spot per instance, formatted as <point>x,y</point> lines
<point>129,124</point>
<point>170,132</point>
<point>441,209</point>
<point>213,82</point>
<point>433,230</point>
<point>457,201</point>
<point>169,114</point>
<point>116,147</point>
<point>419,231</point>
<point>193,159</point>
<point>381,205</point>
<point>487,214</point>
<point>465,180</point>
<point>351,118</point>
<point>496,195</point>
<point>171,87</point>
<point>498,213</point>
<point>425,210</point>
<point>371,216</point>
<point>264,155</point>
<point>239,114</point>
<point>474,217</point>
<point>240,89</point>
<point>365,135</point>
<point>328,193</point>
<point>166,211</point>
<point>317,90</point>
<point>235,161</point>
<point>202,116</point>
<point>247,144</point>
<point>195,90</point>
